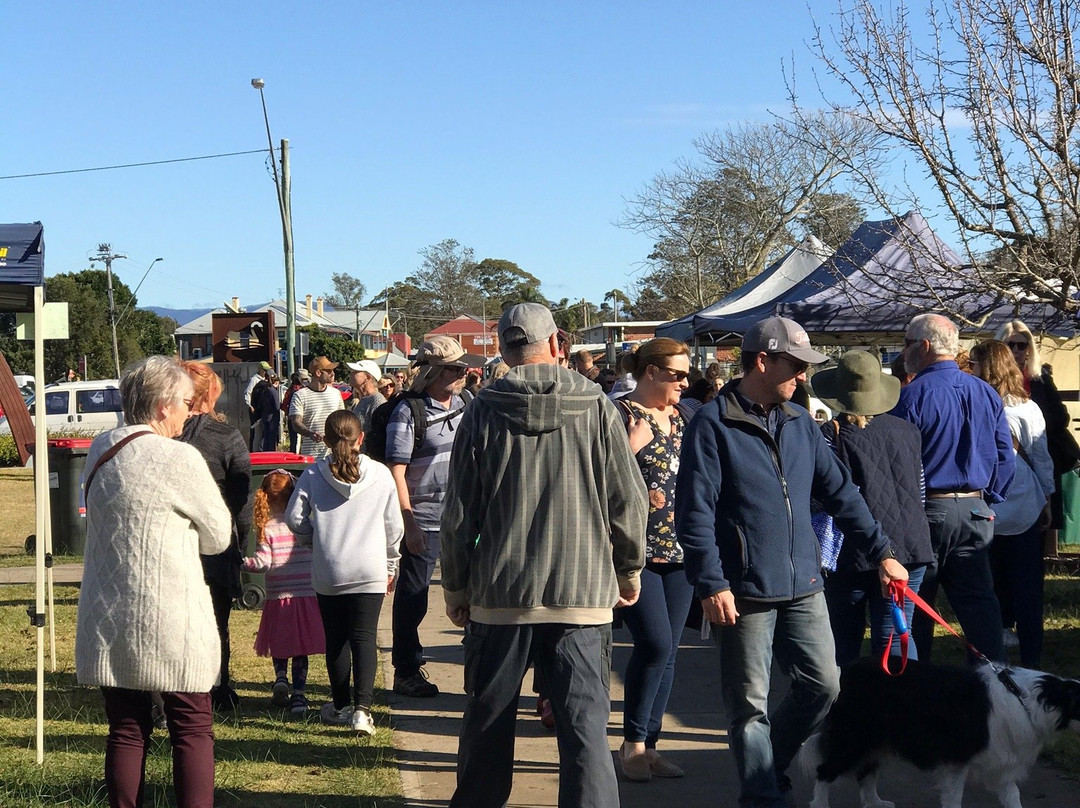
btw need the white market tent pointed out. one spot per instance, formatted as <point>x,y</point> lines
<point>780,276</point>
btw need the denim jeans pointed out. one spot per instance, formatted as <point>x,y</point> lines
<point>1017,563</point>
<point>411,604</point>
<point>961,531</point>
<point>850,594</point>
<point>656,623</point>
<point>797,631</point>
<point>575,665</point>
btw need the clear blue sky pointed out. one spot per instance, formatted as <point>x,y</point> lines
<point>516,128</point>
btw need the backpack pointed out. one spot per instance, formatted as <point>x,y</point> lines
<point>375,440</point>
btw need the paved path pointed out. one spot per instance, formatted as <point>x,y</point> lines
<point>426,730</point>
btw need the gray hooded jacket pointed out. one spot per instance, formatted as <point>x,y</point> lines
<point>545,512</point>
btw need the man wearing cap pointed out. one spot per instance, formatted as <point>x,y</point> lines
<point>542,534</point>
<point>968,460</point>
<point>420,473</point>
<point>311,405</point>
<point>261,375</point>
<point>750,461</point>
<point>366,396</point>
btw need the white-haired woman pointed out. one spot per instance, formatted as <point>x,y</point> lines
<point>145,620</point>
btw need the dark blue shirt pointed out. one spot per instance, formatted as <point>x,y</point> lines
<point>966,445</point>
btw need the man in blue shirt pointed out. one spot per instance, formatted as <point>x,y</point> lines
<point>968,461</point>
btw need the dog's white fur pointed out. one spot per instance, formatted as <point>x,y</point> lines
<point>1019,729</point>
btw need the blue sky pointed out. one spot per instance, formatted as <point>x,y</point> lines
<point>516,128</point>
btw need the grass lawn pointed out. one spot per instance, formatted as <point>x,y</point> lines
<point>263,757</point>
<point>17,494</point>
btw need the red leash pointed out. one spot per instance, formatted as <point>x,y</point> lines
<point>899,591</point>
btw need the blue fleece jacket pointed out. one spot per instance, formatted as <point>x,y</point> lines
<point>742,503</point>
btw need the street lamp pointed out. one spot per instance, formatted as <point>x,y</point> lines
<point>136,291</point>
<point>284,194</point>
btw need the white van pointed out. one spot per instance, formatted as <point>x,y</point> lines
<point>78,408</point>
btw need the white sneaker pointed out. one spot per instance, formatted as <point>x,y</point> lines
<point>331,715</point>
<point>362,723</point>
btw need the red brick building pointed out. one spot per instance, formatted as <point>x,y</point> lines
<point>475,336</point>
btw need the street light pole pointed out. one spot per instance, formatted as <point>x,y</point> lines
<point>283,184</point>
<point>107,256</point>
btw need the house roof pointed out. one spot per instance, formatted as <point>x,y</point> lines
<point>464,324</point>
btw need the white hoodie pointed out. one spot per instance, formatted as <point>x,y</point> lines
<point>354,528</point>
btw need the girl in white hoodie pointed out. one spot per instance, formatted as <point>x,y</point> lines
<point>346,506</point>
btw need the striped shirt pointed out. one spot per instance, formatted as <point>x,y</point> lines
<point>313,408</point>
<point>428,468</point>
<point>287,564</point>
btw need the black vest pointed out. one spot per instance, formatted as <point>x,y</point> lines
<point>885,461</point>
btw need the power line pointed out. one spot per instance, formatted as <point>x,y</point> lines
<point>131,165</point>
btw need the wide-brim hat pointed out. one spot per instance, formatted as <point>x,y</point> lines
<point>857,385</point>
<point>437,353</point>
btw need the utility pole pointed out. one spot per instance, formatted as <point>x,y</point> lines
<point>107,256</point>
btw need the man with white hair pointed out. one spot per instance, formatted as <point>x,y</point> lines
<point>968,462</point>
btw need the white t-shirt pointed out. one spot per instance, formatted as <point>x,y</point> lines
<point>313,408</point>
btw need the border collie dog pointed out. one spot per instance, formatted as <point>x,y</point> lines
<point>955,723</point>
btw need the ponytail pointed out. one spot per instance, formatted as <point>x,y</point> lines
<point>343,429</point>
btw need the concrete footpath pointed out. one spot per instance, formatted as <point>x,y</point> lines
<point>694,737</point>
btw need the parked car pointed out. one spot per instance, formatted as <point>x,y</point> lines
<point>86,408</point>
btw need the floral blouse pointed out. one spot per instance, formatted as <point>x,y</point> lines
<point>659,464</point>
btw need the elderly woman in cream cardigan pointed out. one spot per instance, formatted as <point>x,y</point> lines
<point>145,619</point>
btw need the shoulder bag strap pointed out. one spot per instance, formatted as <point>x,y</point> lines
<point>108,455</point>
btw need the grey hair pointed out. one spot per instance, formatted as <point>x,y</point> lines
<point>939,331</point>
<point>520,354</point>
<point>149,382</point>
<point>1033,365</point>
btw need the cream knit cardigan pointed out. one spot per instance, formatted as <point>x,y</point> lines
<point>145,620</point>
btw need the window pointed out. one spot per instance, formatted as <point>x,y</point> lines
<point>56,403</point>
<point>103,400</point>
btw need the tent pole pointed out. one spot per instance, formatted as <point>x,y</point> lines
<point>41,486</point>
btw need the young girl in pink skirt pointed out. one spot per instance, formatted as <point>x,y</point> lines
<point>290,625</point>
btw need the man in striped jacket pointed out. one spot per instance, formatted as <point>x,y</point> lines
<point>542,534</point>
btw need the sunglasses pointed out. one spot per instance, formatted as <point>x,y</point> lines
<point>455,371</point>
<point>679,375</point>
<point>1018,345</point>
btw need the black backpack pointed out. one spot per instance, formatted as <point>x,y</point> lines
<point>375,440</point>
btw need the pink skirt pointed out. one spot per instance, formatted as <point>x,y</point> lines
<point>290,627</point>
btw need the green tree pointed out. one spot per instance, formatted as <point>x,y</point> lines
<point>19,354</point>
<point>411,309</point>
<point>448,275</point>
<point>349,292</point>
<point>338,349</point>
<point>501,280</point>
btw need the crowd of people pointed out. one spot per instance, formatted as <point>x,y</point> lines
<point>558,504</point>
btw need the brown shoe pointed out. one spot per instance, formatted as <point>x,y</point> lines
<point>635,767</point>
<point>661,767</point>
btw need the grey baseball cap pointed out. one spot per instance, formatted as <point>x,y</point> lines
<point>779,335</point>
<point>525,323</point>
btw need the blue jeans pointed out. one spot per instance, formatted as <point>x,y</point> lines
<point>850,594</point>
<point>797,631</point>
<point>961,531</point>
<point>1017,563</point>
<point>575,664</point>
<point>656,623</point>
<point>411,605</point>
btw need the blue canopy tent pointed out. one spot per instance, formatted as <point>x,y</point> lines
<point>22,289</point>
<point>881,277</point>
<point>775,279</point>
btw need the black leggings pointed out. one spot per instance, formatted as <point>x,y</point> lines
<point>350,623</point>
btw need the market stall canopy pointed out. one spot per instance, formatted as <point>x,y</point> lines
<point>763,288</point>
<point>22,265</point>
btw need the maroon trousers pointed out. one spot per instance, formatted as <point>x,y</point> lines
<point>191,732</point>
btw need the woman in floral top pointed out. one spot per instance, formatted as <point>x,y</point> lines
<point>655,426</point>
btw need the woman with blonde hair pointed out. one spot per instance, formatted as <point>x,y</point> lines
<point>1016,553</point>
<point>226,455</point>
<point>1039,384</point>
<point>655,422</point>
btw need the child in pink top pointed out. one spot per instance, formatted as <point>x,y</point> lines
<point>291,625</point>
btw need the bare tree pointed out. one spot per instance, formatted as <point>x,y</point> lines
<point>448,274</point>
<point>720,219</point>
<point>984,95</point>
